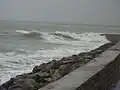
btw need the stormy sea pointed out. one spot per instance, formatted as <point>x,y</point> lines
<point>24,45</point>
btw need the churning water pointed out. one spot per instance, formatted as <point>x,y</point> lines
<point>22,46</point>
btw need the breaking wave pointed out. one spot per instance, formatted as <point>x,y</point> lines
<point>24,58</point>
<point>30,34</point>
<point>62,37</point>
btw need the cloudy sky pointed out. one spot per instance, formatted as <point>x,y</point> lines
<point>80,11</point>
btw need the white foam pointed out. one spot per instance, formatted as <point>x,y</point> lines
<point>23,31</point>
<point>82,38</point>
<point>28,32</point>
<point>12,64</point>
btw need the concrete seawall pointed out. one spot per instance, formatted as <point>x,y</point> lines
<point>98,74</point>
<point>113,37</point>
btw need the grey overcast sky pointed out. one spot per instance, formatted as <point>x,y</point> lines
<point>79,11</point>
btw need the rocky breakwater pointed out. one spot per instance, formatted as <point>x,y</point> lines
<point>48,72</point>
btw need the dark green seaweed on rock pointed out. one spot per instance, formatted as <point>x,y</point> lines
<point>48,72</point>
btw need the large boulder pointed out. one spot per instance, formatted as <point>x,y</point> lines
<point>40,76</point>
<point>56,75</point>
<point>52,65</point>
<point>24,84</point>
<point>39,68</point>
<point>7,84</point>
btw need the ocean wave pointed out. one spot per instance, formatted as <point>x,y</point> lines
<point>24,59</point>
<point>75,39</point>
<point>67,35</point>
<point>30,34</point>
<point>63,37</point>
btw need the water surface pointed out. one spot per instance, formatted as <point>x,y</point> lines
<point>26,44</point>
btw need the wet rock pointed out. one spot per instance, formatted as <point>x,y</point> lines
<point>48,79</point>
<point>62,67</point>
<point>39,68</point>
<point>88,57</point>
<point>53,65</point>
<point>56,75</point>
<point>8,83</point>
<point>24,84</point>
<point>52,71</point>
<point>81,54</point>
<point>71,58</point>
<point>24,76</point>
<point>39,77</point>
<point>65,69</point>
<point>41,74</point>
<point>75,57</point>
<point>36,69</point>
<point>41,84</point>
<point>74,66</point>
<point>65,59</point>
<point>16,87</point>
<point>60,62</point>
